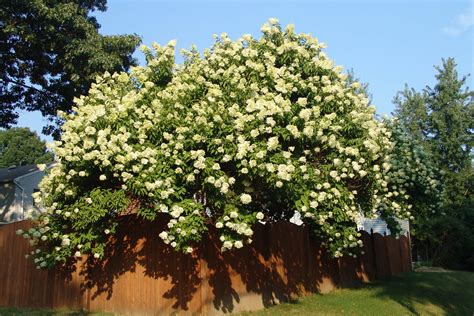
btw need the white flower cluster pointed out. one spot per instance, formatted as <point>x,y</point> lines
<point>414,175</point>
<point>253,130</point>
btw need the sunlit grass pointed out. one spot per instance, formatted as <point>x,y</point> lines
<point>415,293</point>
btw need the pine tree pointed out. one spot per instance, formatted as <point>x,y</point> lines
<point>451,119</point>
<point>442,117</point>
<point>411,109</point>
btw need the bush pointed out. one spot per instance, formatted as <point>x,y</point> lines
<point>454,245</point>
<point>254,130</point>
<point>413,169</point>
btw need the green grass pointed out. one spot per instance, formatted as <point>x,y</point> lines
<point>414,293</point>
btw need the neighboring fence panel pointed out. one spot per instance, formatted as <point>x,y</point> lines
<point>143,275</point>
<point>405,253</point>
<point>21,284</point>
<point>367,261</point>
<point>393,248</point>
<point>382,256</point>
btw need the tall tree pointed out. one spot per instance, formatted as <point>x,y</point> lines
<point>442,117</point>
<point>51,52</point>
<point>20,146</point>
<point>411,109</point>
<point>451,127</point>
<point>363,87</point>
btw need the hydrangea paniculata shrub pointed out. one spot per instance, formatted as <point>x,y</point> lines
<point>253,130</point>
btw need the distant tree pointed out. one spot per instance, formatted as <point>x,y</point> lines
<point>363,86</point>
<point>412,162</point>
<point>442,117</point>
<point>19,146</point>
<point>51,51</point>
<point>451,124</point>
<point>412,111</point>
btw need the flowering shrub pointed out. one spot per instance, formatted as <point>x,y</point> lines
<point>253,130</point>
<point>414,173</point>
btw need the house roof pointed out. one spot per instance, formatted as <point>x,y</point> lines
<point>9,174</point>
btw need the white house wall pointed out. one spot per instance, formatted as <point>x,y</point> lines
<point>10,209</point>
<point>29,183</point>
<point>378,225</point>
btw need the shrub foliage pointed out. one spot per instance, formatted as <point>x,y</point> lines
<point>253,130</point>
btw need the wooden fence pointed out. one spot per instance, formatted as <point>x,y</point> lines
<point>142,275</point>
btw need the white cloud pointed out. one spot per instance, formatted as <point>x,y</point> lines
<point>462,23</point>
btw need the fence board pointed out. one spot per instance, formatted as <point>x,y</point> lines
<point>405,254</point>
<point>382,259</point>
<point>367,259</point>
<point>395,260</point>
<point>143,275</point>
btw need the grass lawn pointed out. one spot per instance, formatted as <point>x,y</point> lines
<point>414,293</point>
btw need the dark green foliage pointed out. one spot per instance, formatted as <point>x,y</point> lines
<point>442,118</point>
<point>451,124</point>
<point>96,221</point>
<point>411,108</point>
<point>50,52</point>
<point>20,146</point>
<point>453,235</point>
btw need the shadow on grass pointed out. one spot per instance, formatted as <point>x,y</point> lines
<point>413,293</point>
<point>453,292</point>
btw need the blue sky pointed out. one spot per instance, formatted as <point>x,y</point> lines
<point>387,43</point>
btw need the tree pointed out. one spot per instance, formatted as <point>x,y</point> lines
<point>412,111</point>
<point>253,130</point>
<point>51,52</point>
<point>442,118</point>
<point>451,124</point>
<point>363,86</point>
<point>20,146</point>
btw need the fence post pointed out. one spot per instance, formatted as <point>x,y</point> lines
<point>409,246</point>
<point>400,253</point>
<point>374,254</point>
<point>387,250</point>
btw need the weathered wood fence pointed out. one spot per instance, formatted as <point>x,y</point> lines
<point>143,275</point>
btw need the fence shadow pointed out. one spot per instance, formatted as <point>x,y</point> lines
<point>137,247</point>
<point>140,274</point>
<point>281,264</point>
